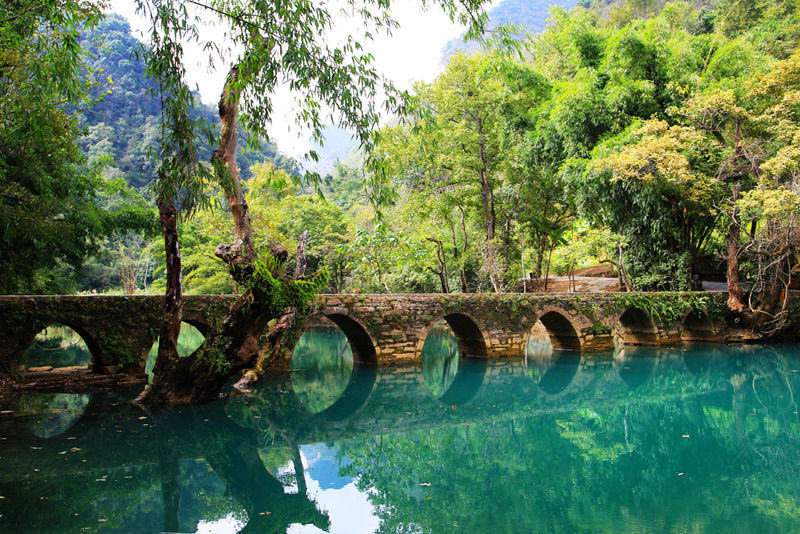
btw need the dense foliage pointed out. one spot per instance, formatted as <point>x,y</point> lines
<point>658,139</point>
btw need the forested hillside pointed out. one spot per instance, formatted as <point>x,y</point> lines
<point>124,124</point>
<point>530,15</point>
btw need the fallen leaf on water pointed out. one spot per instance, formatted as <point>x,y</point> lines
<point>454,406</point>
<point>427,498</point>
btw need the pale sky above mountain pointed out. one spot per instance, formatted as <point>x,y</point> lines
<point>411,53</point>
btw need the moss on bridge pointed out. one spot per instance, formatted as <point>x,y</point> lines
<point>119,330</point>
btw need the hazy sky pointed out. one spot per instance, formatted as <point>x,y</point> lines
<point>411,53</point>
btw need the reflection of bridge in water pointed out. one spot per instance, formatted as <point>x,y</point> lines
<point>230,434</point>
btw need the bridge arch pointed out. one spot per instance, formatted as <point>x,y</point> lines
<point>363,375</point>
<point>634,326</point>
<point>697,326</point>
<point>92,343</point>
<point>563,332</point>
<point>469,335</point>
<point>471,359</point>
<point>361,343</point>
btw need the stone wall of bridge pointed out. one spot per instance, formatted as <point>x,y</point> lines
<point>382,329</point>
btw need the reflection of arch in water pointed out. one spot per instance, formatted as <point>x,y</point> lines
<point>555,373</point>
<point>699,359</point>
<point>635,365</point>
<point>355,395</point>
<point>697,326</point>
<point>363,373</point>
<point>57,412</point>
<point>635,327</point>
<point>469,363</point>
<point>81,349</point>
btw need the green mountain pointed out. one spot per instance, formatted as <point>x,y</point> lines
<point>124,123</point>
<point>530,14</point>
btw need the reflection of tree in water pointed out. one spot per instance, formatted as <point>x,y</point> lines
<point>440,359</point>
<point>57,346</point>
<point>680,453</point>
<point>322,364</point>
<point>668,463</point>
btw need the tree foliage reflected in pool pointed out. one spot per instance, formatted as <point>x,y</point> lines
<point>680,440</point>
<point>322,363</point>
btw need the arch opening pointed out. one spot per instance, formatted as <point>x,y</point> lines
<point>697,326</point>
<point>562,334</point>
<point>468,334</point>
<point>635,327</point>
<point>189,340</point>
<point>360,342</point>
<point>333,366</point>
<point>453,375</point>
<point>59,346</point>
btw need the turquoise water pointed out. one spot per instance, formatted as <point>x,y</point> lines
<point>702,438</point>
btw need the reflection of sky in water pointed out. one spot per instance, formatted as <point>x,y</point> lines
<point>349,509</point>
<point>711,448</point>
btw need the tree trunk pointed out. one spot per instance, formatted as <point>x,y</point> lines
<point>224,161</point>
<point>173,300</point>
<point>487,195</point>
<point>735,293</point>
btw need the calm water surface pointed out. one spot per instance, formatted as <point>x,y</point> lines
<point>692,439</point>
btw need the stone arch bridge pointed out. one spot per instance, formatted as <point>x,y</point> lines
<point>382,329</point>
